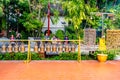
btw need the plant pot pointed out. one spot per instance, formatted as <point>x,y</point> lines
<point>102,57</point>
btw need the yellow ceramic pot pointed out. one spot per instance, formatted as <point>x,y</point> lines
<point>102,57</point>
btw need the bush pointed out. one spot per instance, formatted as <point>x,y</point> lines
<point>68,56</point>
<point>111,54</point>
<point>13,56</point>
<point>1,56</point>
<point>60,34</point>
<point>35,56</point>
<point>61,56</point>
<point>20,56</point>
<point>7,56</point>
<point>24,35</point>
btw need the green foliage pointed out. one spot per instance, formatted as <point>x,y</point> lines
<point>24,35</point>
<point>94,55</point>
<point>23,4</point>
<point>42,36</point>
<point>7,56</point>
<point>3,24</point>
<point>109,24</point>
<point>97,40</point>
<point>35,56</point>
<point>13,56</point>
<point>12,33</point>
<point>61,56</point>
<point>94,21</point>
<point>54,18</point>
<point>111,54</point>
<point>53,57</point>
<point>1,56</point>
<point>30,22</point>
<point>116,11</point>
<point>78,11</point>
<point>1,12</point>
<point>68,56</point>
<point>60,34</point>
<point>33,13</point>
<point>69,31</point>
<point>51,35</point>
<point>20,56</point>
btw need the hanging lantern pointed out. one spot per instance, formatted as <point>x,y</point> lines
<point>3,48</point>
<point>22,48</point>
<point>42,51</point>
<point>54,48</point>
<point>9,48</point>
<point>16,48</point>
<point>72,48</point>
<point>69,48</point>
<point>66,48</point>
<point>36,48</point>
<point>48,48</point>
<point>60,48</point>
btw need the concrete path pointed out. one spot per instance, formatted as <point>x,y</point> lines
<point>60,70</point>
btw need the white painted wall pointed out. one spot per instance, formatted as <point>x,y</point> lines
<point>54,27</point>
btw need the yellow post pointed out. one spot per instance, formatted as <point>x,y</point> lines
<point>79,54</point>
<point>28,54</point>
<point>29,51</point>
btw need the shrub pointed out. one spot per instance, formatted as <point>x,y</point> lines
<point>111,54</point>
<point>68,56</point>
<point>60,34</point>
<point>20,56</point>
<point>35,56</point>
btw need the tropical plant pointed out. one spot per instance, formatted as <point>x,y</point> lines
<point>1,11</point>
<point>108,24</point>
<point>77,12</point>
<point>60,34</point>
<point>2,15</point>
<point>116,11</point>
<point>70,32</point>
<point>31,23</point>
<point>110,53</point>
<point>33,18</point>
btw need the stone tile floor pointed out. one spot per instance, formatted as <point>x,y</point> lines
<point>60,70</point>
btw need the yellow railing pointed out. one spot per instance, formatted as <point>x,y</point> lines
<point>29,46</point>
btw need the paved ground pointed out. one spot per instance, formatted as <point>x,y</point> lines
<point>60,70</point>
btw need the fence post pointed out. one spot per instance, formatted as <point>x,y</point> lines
<point>79,54</point>
<point>28,54</point>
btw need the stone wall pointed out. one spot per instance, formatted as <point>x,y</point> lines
<point>113,39</point>
<point>90,36</point>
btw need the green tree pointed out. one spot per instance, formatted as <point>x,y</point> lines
<point>33,18</point>
<point>60,34</point>
<point>77,12</point>
<point>116,12</point>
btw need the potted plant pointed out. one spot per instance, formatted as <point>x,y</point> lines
<point>102,57</point>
